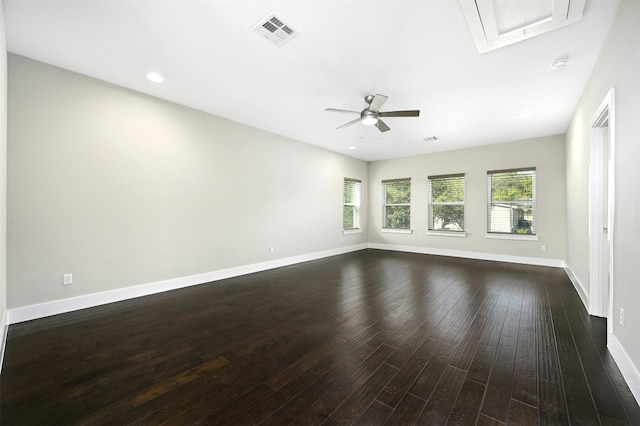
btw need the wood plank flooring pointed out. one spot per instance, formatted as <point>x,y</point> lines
<point>368,338</point>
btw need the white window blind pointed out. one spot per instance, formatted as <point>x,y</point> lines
<point>396,204</point>
<point>445,206</point>
<point>511,206</point>
<point>351,204</point>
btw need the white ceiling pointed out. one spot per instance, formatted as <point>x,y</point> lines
<point>420,53</point>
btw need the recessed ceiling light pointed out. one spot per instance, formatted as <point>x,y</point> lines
<point>525,114</point>
<point>559,64</point>
<point>431,138</point>
<point>352,147</point>
<point>155,77</point>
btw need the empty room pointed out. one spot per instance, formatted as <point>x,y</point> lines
<point>320,212</point>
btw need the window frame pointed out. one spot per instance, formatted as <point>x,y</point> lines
<point>431,203</point>
<point>385,227</point>
<point>357,196</point>
<point>529,224</point>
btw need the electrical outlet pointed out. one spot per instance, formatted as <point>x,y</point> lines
<point>272,249</point>
<point>543,248</point>
<point>414,239</point>
<point>67,279</point>
<point>622,317</point>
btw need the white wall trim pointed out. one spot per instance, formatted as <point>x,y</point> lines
<point>557,263</point>
<point>351,231</point>
<point>41,310</point>
<point>600,291</point>
<point>396,231</point>
<point>521,237</point>
<point>26,313</point>
<point>626,366</point>
<point>3,335</point>
<point>577,284</point>
<point>454,234</point>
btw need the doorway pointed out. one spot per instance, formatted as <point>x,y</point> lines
<point>601,209</point>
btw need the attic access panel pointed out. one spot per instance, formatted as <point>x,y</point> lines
<point>499,23</point>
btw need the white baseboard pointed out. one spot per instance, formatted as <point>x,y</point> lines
<point>578,286</point>
<point>472,255</point>
<point>41,310</point>
<point>26,313</point>
<point>3,335</point>
<point>626,366</point>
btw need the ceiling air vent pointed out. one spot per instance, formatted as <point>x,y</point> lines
<point>275,30</point>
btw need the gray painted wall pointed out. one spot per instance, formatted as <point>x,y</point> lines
<point>546,154</point>
<point>617,67</point>
<point>120,189</point>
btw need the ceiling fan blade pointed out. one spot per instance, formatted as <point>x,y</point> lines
<point>342,110</point>
<point>350,123</point>
<point>409,113</point>
<point>382,126</point>
<point>377,102</point>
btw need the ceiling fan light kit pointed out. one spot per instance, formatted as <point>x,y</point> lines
<point>370,116</point>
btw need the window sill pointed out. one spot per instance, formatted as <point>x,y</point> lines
<point>455,234</point>
<point>521,237</point>
<point>396,231</point>
<point>351,231</point>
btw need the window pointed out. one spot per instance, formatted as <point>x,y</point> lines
<point>511,206</point>
<point>351,204</point>
<point>446,203</point>
<point>396,204</point>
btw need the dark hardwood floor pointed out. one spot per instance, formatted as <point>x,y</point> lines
<point>367,338</point>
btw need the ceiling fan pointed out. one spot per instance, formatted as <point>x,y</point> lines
<point>370,116</point>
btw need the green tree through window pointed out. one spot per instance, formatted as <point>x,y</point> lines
<point>351,204</point>
<point>446,202</point>
<point>396,195</point>
<point>511,206</point>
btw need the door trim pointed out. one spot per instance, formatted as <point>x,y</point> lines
<point>603,120</point>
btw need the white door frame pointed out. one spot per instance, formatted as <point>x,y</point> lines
<point>602,122</point>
